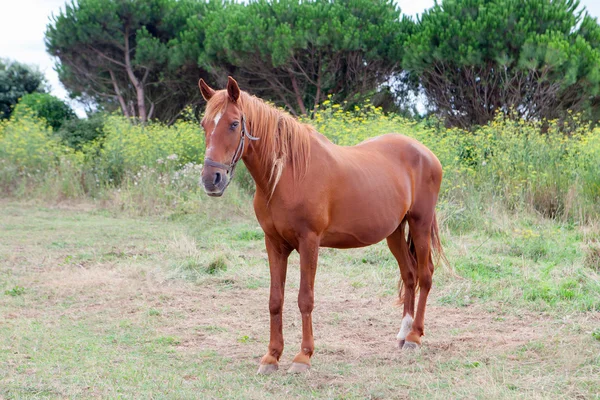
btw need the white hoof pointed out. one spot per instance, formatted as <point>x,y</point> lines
<point>266,369</point>
<point>298,368</point>
<point>410,346</point>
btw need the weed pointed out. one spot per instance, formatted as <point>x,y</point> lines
<point>16,291</point>
<point>168,340</point>
<point>244,339</point>
<point>217,265</point>
<point>592,257</point>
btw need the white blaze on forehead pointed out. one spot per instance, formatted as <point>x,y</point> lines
<point>217,118</point>
<point>406,326</point>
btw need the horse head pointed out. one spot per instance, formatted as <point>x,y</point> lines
<point>225,133</point>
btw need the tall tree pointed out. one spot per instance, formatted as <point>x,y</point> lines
<point>118,53</point>
<point>295,53</point>
<point>477,57</point>
<point>17,80</point>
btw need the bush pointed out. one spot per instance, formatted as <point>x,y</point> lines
<point>76,133</point>
<point>47,107</point>
<point>33,160</point>
<point>507,162</point>
<point>27,144</point>
<point>128,148</point>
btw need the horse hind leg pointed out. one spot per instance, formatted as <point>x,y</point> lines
<point>401,249</point>
<point>421,229</point>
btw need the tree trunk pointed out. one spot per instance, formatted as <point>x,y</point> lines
<point>318,95</point>
<point>119,95</point>
<point>297,92</point>
<point>151,112</point>
<point>139,86</point>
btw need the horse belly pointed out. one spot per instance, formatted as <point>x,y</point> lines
<point>366,210</point>
<point>358,232</point>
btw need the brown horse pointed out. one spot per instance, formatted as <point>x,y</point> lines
<point>311,193</point>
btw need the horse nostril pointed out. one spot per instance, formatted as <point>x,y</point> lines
<point>217,178</point>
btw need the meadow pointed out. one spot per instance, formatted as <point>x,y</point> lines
<point>119,278</point>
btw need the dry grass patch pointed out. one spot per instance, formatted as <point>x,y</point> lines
<point>107,311</point>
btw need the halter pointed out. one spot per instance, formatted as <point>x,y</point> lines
<point>237,156</point>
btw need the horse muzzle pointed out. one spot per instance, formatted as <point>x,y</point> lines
<point>215,182</point>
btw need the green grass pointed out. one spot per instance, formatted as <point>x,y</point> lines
<point>97,303</point>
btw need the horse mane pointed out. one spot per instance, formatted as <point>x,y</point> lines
<point>283,139</point>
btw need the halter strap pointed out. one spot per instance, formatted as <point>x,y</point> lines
<point>237,156</point>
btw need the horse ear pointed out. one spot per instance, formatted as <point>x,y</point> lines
<point>207,91</point>
<point>233,90</point>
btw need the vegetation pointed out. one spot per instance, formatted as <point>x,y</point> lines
<point>76,132</point>
<point>48,108</point>
<point>17,80</point>
<point>117,271</point>
<point>536,58</point>
<point>176,306</point>
<point>506,162</point>
<point>119,54</point>
<point>295,53</point>
<point>137,269</point>
<point>470,58</point>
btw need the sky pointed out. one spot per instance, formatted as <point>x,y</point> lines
<point>23,23</point>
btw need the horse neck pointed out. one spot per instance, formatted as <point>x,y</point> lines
<point>259,171</point>
<point>285,143</point>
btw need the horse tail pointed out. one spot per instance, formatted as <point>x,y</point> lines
<point>437,253</point>
<point>436,245</point>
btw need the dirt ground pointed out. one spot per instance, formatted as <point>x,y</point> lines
<point>216,327</point>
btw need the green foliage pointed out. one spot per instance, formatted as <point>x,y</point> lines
<point>16,291</point>
<point>119,54</point>
<point>76,133</point>
<point>27,144</point>
<point>136,150</point>
<point>506,161</point>
<point>217,265</point>
<point>49,108</point>
<point>296,53</point>
<point>16,81</point>
<point>153,312</point>
<point>476,57</point>
<point>472,58</point>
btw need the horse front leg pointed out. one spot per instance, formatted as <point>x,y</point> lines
<point>278,252</point>
<point>309,255</point>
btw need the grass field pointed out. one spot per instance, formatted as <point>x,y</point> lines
<point>95,303</point>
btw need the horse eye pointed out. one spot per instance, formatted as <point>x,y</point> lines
<point>234,125</point>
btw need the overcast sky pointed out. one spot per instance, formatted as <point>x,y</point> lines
<point>23,23</point>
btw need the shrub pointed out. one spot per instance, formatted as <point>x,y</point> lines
<point>34,162</point>
<point>507,162</point>
<point>77,133</point>
<point>127,148</point>
<point>27,144</point>
<point>47,107</point>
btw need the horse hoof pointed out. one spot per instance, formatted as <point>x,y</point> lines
<point>401,343</point>
<point>298,368</point>
<point>266,369</point>
<point>411,346</point>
